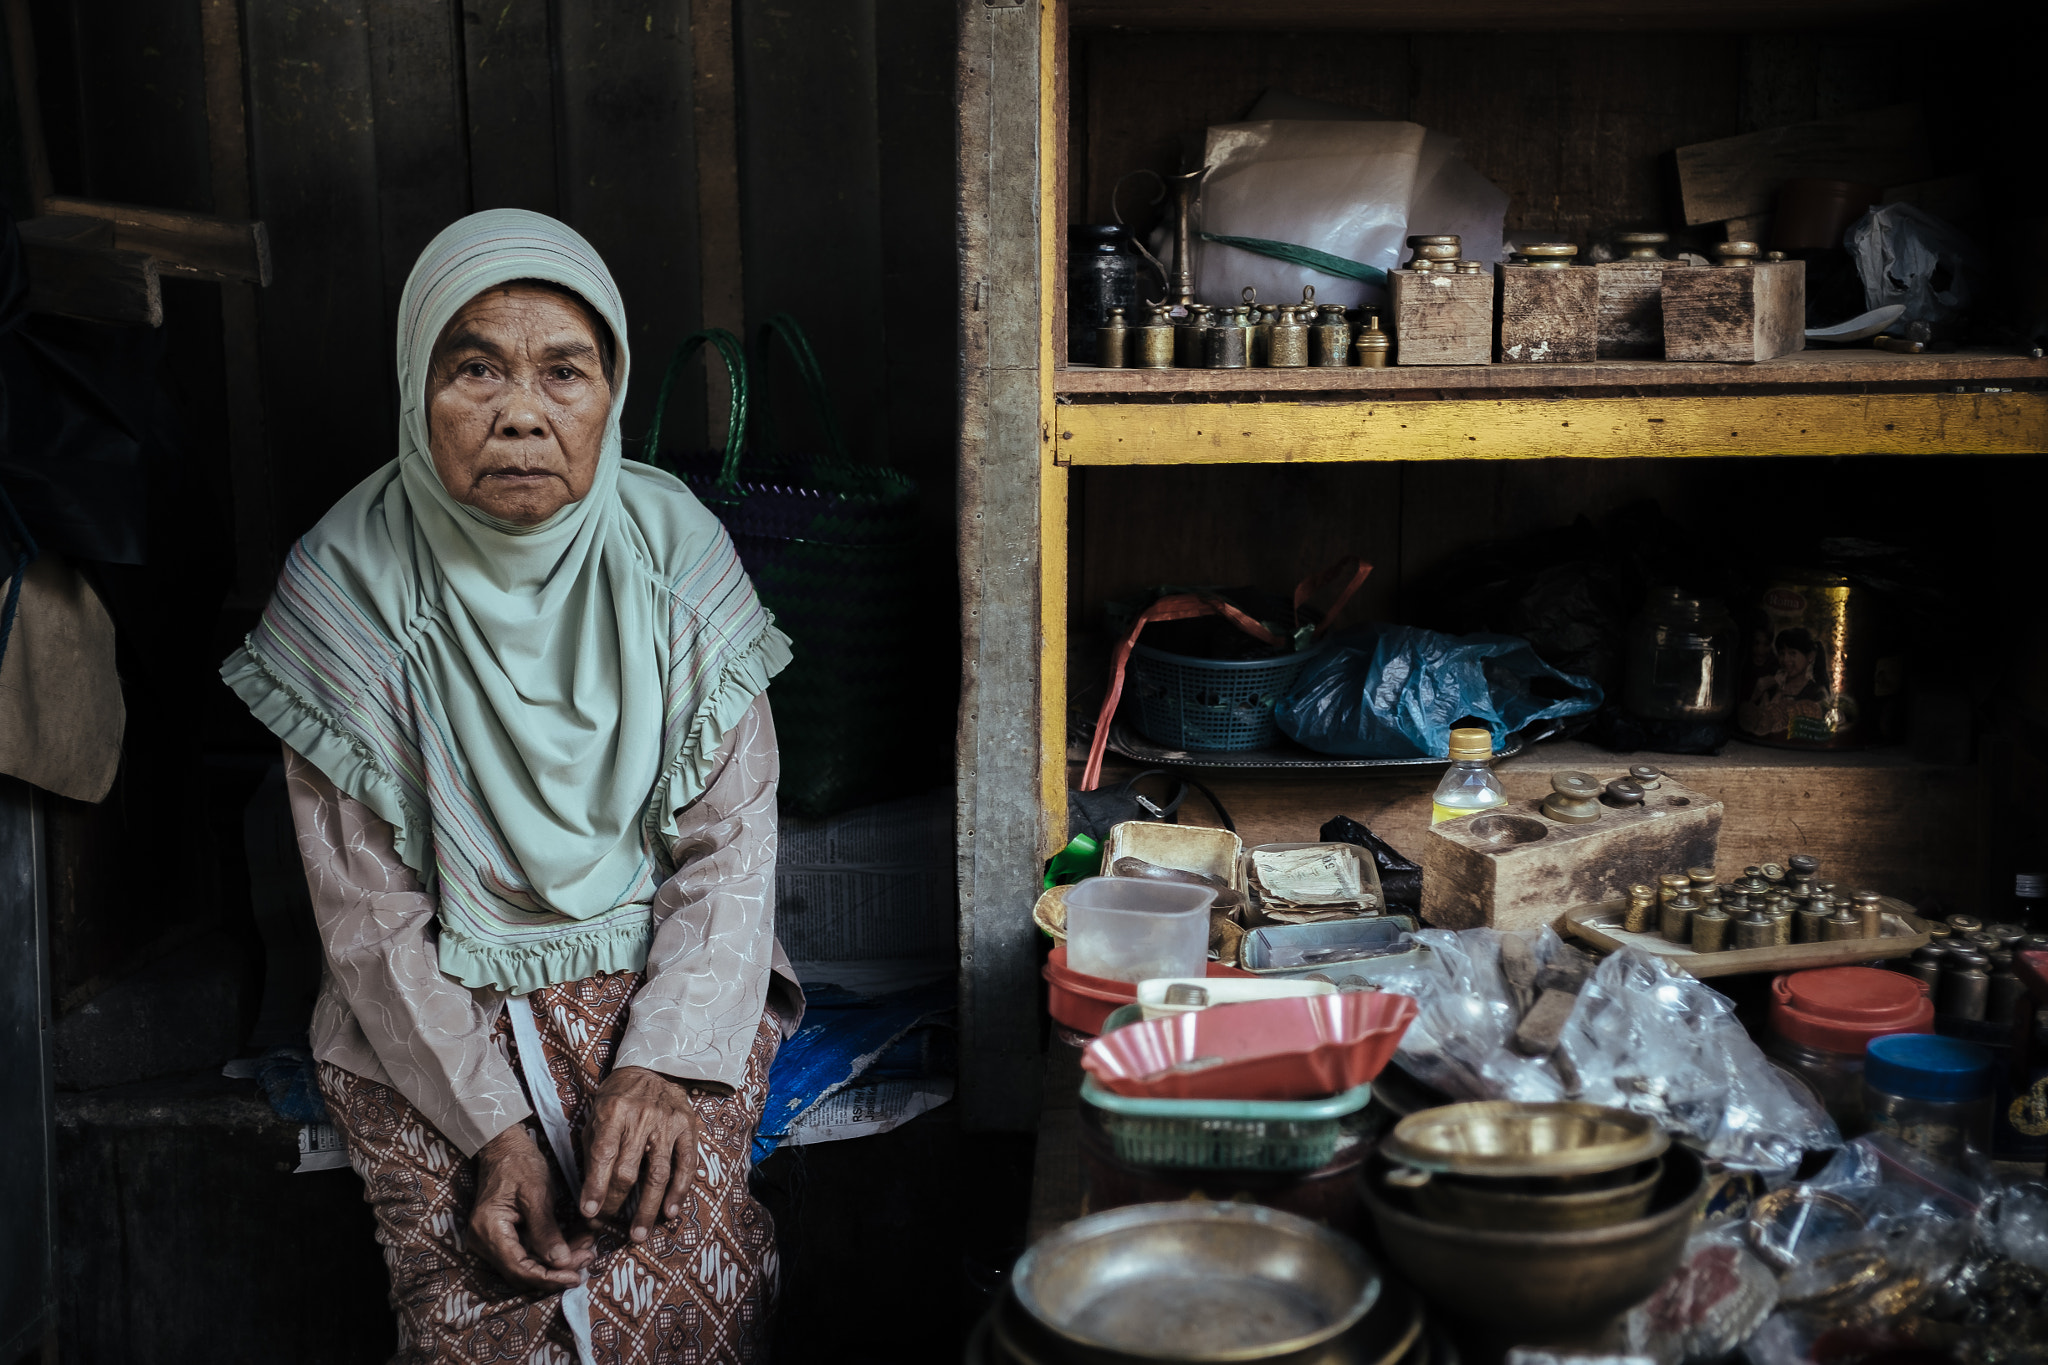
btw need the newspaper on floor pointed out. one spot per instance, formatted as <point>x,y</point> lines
<point>864,1110</point>
<point>320,1148</point>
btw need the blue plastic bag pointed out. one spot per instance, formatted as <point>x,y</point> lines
<point>1386,691</point>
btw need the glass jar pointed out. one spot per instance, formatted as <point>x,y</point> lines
<point>1822,1021</point>
<point>1104,271</point>
<point>1681,659</point>
<point>1931,1093</point>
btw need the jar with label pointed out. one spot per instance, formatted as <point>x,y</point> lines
<point>1823,1019</point>
<point>1931,1093</point>
<point>1811,680</point>
<point>1680,659</point>
<point>1469,785</point>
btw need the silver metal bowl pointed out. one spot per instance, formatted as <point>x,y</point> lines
<point>1195,1283</point>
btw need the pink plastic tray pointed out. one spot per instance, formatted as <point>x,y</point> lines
<point>1263,1050</point>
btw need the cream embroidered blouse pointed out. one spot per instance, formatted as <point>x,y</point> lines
<point>387,1013</point>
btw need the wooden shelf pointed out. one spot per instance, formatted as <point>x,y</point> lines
<point>1385,427</point>
<point>1873,817</point>
<point>1403,15</point>
<point>1804,369</point>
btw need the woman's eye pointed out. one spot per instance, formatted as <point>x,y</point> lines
<point>476,369</point>
<point>564,373</point>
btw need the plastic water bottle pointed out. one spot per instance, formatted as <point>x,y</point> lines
<point>1469,786</point>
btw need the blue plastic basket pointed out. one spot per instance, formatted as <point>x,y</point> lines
<point>1211,705</point>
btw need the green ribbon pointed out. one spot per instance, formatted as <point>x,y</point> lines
<point>1321,261</point>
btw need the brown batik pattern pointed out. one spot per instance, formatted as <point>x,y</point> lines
<point>696,1292</point>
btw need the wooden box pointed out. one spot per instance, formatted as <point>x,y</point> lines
<point>1442,318</point>
<point>1632,308</point>
<point>1546,314</point>
<point>1751,312</point>
<point>1516,868</point>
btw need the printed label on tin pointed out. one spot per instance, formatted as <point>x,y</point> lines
<point>1800,688</point>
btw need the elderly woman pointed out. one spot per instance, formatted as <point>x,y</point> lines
<point>519,683</point>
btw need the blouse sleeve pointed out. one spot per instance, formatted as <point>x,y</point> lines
<point>714,961</point>
<point>430,1033</point>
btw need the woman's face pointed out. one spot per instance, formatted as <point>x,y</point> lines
<point>516,404</point>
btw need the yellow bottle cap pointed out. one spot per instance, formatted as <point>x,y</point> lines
<point>1470,744</point>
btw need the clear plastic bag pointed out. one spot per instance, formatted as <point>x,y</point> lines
<point>1717,1297</point>
<point>1642,1037</point>
<point>1907,255</point>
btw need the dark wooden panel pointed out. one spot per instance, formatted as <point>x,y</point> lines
<point>1322,16</point>
<point>142,111</point>
<point>810,162</point>
<point>1228,525</point>
<point>509,78</point>
<point>629,172</point>
<point>329,402</point>
<point>423,176</point>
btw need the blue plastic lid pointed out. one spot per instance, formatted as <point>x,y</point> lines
<point>1925,1066</point>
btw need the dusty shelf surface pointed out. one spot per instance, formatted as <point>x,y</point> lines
<point>1804,368</point>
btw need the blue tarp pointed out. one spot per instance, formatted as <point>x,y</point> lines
<point>842,1037</point>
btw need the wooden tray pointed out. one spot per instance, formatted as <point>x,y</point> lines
<point>1600,925</point>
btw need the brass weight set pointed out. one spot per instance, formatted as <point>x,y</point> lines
<point>1767,907</point>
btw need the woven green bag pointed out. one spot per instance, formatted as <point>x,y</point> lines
<point>831,545</point>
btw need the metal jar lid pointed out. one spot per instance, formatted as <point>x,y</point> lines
<point>1509,1138</point>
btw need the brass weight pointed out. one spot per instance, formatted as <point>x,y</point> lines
<point>1150,347</point>
<point>1709,929</point>
<point>1287,340</point>
<point>1372,346</point>
<point>1112,341</point>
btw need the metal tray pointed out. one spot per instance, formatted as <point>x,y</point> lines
<point>1600,925</point>
<point>1125,739</point>
<point>1382,932</point>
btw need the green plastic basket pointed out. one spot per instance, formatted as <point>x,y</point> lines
<point>1218,1135</point>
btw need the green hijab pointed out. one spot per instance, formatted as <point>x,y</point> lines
<point>527,706</point>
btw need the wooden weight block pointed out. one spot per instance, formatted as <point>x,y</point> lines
<point>1744,313</point>
<point>1516,868</point>
<point>1546,314</point>
<point>1632,307</point>
<point>1442,318</point>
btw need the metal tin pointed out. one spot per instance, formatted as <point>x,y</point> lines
<point>1964,992</point>
<point>1671,884</point>
<point>1926,964</point>
<point>1869,913</point>
<point>1111,340</point>
<point>1371,349</point>
<point>1674,920</point>
<point>1150,347</point>
<point>1781,927</point>
<point>1702,878</point>
<point>1641,915</point>
<point>1642,246</point>
<point>1803,865</point>
<point>1440,251</point>
<point>1736,255</point>
<point>1806,924</point>
<point>2008,935</point>
<point>1187,336</point>
<point>1260,321</point>
<point>1965,924</point>
<point>2001,994</point>
<point>1226,340</point>
<point>1709,929</point>
<point>1753,930</point>
<point>1648,777</point>
<point>1624,791</point>
<point>1843,924</point>
<point>1469,268</point>
<point>1545,255</point>
<point>1812,669</point>
<point>1287,341</point>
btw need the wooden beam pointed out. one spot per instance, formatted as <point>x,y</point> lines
<point>1519,429</point>
<point>1733,177</point>
<point>715,104</point>
<point>227,151</point>
<point>195,244</point>
<point>28,105</point>
<point>98,283</point>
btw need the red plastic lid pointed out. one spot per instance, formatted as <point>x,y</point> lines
<point>1840,1009</point>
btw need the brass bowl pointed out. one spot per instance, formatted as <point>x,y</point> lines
<point>1541,1286</point>
<point>1193,1282</point>
<point>1503,1207</point>
<point>1499,1138</point>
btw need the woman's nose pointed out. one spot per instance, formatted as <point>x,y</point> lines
<point>522,416</point>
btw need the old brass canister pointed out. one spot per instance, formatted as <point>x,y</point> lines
<point>1150,347</point>
<point>1329,342</point>
<point>1226,342</point>
<point>1111,341</point>
<point>1261,319</point>
<point>1371,349</point>
<point>1709,929</point>
<point>1187,336</point>
<point>1287,343</point>
<point>1814,678</point>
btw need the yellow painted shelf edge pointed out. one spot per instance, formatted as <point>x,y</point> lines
<point>1588,428</point>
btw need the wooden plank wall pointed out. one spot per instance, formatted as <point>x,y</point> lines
<point>357,129</point>
<point>1574,126</point>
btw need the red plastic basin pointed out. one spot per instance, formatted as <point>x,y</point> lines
<point>1263,1050</point>
<point>1082,1003</point>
